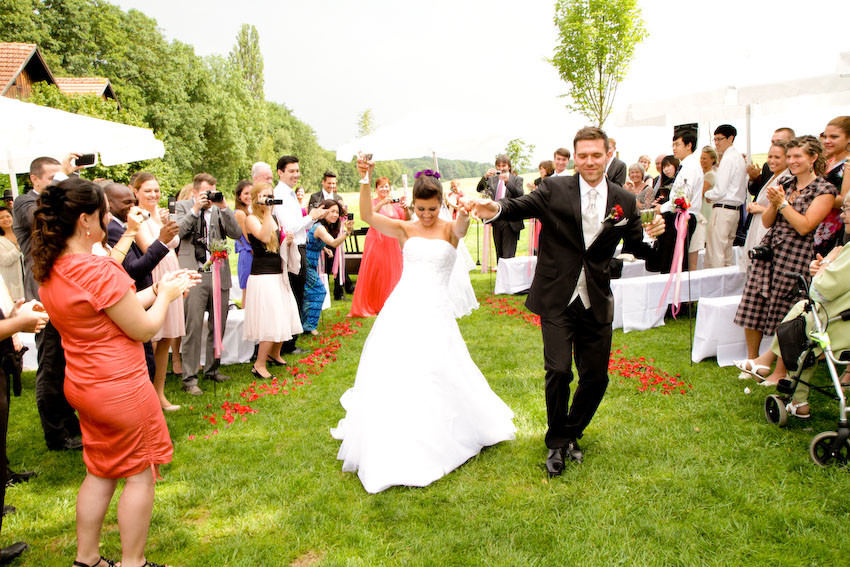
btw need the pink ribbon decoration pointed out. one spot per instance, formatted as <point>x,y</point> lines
<point>216,275</point>
<point>675,278</point>
<point>500,190</point>
<point>338,268</point>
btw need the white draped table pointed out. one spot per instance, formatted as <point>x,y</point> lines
<point>515,274</point>
<point>715,333</point>
<point>636,299</point>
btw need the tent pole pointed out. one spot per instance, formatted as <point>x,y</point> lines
<point>436,167</point>
<point>13,177</point>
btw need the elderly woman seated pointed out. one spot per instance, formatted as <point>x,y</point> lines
<point>831,289</point>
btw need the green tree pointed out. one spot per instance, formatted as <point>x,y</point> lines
<point>365,123</point>
<point>520,154</point>
<point>596,43</point>
<point>248,58</point>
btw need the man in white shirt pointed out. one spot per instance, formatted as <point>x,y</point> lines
<point>726,199</point>
<point>687,184</point>
<point>561,160</point>
<point>290,219</point>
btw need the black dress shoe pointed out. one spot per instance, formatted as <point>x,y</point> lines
<point>69,444</point>
<point>217,377</point>
<point>7,509</point>
<point>13,478</point>
<point>9,554</point>
<point>573,451</point>
<point>555,462</point>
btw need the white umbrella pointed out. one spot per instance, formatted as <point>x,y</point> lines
<point>30,131</point>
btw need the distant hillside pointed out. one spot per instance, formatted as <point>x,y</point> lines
<point>449,168</point>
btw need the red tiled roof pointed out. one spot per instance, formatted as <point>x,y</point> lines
<point>13,58</point>
<point>82,85</point>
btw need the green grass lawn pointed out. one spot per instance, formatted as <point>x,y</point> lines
<point>698,478</point>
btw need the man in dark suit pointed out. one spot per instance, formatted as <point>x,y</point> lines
<point>58,420</point>
<point>202,221</point>
<point>584,217</point>
<point>139,265</point>
<point>328,191</point>
<point>505,233</point>
<point>616,169</point>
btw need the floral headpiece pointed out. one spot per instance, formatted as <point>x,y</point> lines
<point>428,172</point>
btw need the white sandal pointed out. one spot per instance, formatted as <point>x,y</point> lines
<point>749,369</point>
<point>792,408</point>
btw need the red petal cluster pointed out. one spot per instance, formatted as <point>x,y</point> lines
<point>648,377</point>
<point>311,365</point>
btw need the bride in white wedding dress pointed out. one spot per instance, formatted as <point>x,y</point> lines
<point>419,407</point>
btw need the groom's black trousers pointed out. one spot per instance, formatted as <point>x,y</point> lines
<point>574,331</point>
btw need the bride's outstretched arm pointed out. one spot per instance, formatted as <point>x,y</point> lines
<point>391,227</point>
<point>461,224</point>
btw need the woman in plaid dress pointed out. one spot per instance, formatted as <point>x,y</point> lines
<point>797,206</point>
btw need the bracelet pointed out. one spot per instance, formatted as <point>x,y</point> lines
<point>782,206</point>
<point>825,262</point>
<point>133,235</point>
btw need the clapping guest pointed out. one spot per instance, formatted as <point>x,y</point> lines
<point>272,314</point>
<point>836,146</point>
<point>241,209</point>
<point>453,198</point>
<point>102,322</point>
<point>146,188</point>
<point>121,235</point>
<point>327,232</point>
<point>778,166</point>
<point>797,205</point>
<point>11,258</point>
<point>380,267</point>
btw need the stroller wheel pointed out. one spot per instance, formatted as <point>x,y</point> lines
<point>774,410</point>
<point>822,452</point>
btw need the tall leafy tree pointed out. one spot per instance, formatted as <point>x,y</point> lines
<point>520,154</point>
<point>365,123</point>
<point>596,43</point>
<point>248,58</point>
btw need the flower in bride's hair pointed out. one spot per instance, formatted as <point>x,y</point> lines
<point>429,173</point>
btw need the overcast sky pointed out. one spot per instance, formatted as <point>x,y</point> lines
<point>328,60</point>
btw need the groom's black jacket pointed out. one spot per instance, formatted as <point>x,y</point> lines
<point>557,203</point>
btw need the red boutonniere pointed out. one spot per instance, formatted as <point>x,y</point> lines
<point>615,214</point>
<point>682,204</point>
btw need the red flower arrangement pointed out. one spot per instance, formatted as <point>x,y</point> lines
<point>615,214</point>
<point>682,204</point>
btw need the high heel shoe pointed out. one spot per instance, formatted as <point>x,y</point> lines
<point>256,373</point>
<point>275,362</point>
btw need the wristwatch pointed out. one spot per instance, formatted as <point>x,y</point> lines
<point>782,206</point>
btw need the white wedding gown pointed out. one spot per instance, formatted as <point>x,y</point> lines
<point>419,407</point>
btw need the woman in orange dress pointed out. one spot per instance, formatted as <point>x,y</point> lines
<point>103,322</point>
<point>380,268</point>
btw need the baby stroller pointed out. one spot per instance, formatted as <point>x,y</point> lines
<point>797,346</point>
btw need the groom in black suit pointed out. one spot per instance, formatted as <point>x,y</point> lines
<point>584,217</point>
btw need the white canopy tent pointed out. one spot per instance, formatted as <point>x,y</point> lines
<point>30,131</point>
<point>449,133</point>
<point>804,104</point>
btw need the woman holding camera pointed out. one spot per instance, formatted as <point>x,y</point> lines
<point>241,210</point>
<point>103,322</point>
<point>796,207</point>
<point>327,232</point>
<point>272,314</point>
<point>148,194</point>
<point>380,268</point>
